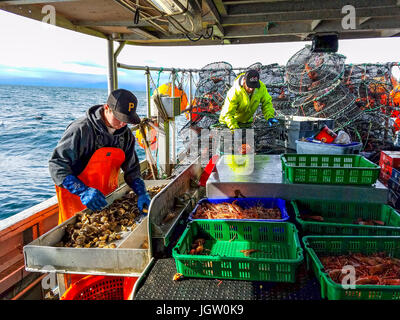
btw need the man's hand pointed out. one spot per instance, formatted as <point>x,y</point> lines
<point>144,201</point>
<point>143,197</point>
<point>272,121</point>
<point>93,199</point>
<point>90,197</point>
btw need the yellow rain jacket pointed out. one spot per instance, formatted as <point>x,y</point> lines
<point>240,108</point>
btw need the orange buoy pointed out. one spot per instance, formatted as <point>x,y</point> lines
<point>152,139</point>
<point>166,89</point>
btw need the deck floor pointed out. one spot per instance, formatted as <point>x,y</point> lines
<point>160,286</point>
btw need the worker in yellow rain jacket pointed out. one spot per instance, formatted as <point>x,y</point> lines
<point>243,100</point>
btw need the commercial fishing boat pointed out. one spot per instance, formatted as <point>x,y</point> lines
<point>28,256</point>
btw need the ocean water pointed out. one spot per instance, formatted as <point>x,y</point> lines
<point>32,120</point>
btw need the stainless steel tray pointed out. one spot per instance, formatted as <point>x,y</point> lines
<point>128,259</point>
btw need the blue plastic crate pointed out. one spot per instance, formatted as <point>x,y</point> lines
<point>393,185</point>
<point>248,203</point>
<point>394,199</point>
<point>395,175</point>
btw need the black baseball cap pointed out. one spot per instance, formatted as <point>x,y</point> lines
<point>123,104</point>
<point>252,79</point>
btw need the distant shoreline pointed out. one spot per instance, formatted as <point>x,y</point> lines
<point>61,87</point>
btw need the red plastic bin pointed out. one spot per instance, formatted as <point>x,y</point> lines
<point>390,158</point>
<point>100,288</point>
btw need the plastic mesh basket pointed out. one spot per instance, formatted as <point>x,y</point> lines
<point>276,257</point>
<point>338,245</point>
<point>100,288</point>
<point>329,169</point>
<point>340,217</point>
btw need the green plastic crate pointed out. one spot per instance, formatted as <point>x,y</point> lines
<point>329,169</point>
<point>337,245</point>
<point>279,254</point>
<point>346,213</point>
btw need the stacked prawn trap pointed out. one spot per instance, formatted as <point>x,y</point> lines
<point>240,238</point>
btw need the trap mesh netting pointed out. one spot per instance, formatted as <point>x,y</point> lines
<point>335,102</point>
<point>308,72</point>
<point>321,85</point>
<point>215,79</point>
<point>357,97</point>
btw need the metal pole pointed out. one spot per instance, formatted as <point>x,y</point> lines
<point>116,54</point>
<point>173,127</point>
<point>190,95</point>
<point>148,93</point>
<point>143,68</point>
<point>111,63</point>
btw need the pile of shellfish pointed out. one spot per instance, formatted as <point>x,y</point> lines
<point>101,229</point>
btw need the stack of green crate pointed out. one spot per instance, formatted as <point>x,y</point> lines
<point>339,234</point>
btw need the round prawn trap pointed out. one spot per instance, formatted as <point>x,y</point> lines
<point>217,72</point>
<point>211,91</point>
<point>100,288</point>
<point>327,103</point>
<point>369,128</point>
<point>308,72</point>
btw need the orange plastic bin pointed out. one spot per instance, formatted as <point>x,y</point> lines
<point>100,288</point>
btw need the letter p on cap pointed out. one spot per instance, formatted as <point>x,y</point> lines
<point>131,106</point>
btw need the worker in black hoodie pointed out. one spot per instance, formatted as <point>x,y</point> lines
<point>86,161</point>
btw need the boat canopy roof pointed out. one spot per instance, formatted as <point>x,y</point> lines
<point>213,22</point>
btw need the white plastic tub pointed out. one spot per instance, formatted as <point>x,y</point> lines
<point>309,147</point>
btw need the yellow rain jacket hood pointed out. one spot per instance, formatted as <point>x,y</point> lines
<point>240,108</point>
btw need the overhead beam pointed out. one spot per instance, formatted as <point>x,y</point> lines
<point>116,23</point>
<point>315,24</point>
<point>35,12</point>
<point>254,40</point>
<point>362,20</point>
<point>264,16</point>
<point>220,7</point>
<point>389,33</point>
<point>23,2</point>
<point>303,28</point>
<point>144,34</point>
<point>219,30</point>
<point>305,6</point>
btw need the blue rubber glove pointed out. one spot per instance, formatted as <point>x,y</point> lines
<point>90,197</point>
<point>143,197</point>
<point>272,121</point>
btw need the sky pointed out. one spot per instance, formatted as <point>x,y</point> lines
<point>34,53</point>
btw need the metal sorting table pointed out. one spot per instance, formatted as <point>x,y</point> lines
<point>264,178</point>
<point>178,198</point>
<point>128,259</point>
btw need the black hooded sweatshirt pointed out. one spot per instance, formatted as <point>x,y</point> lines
<point>82,138</point>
